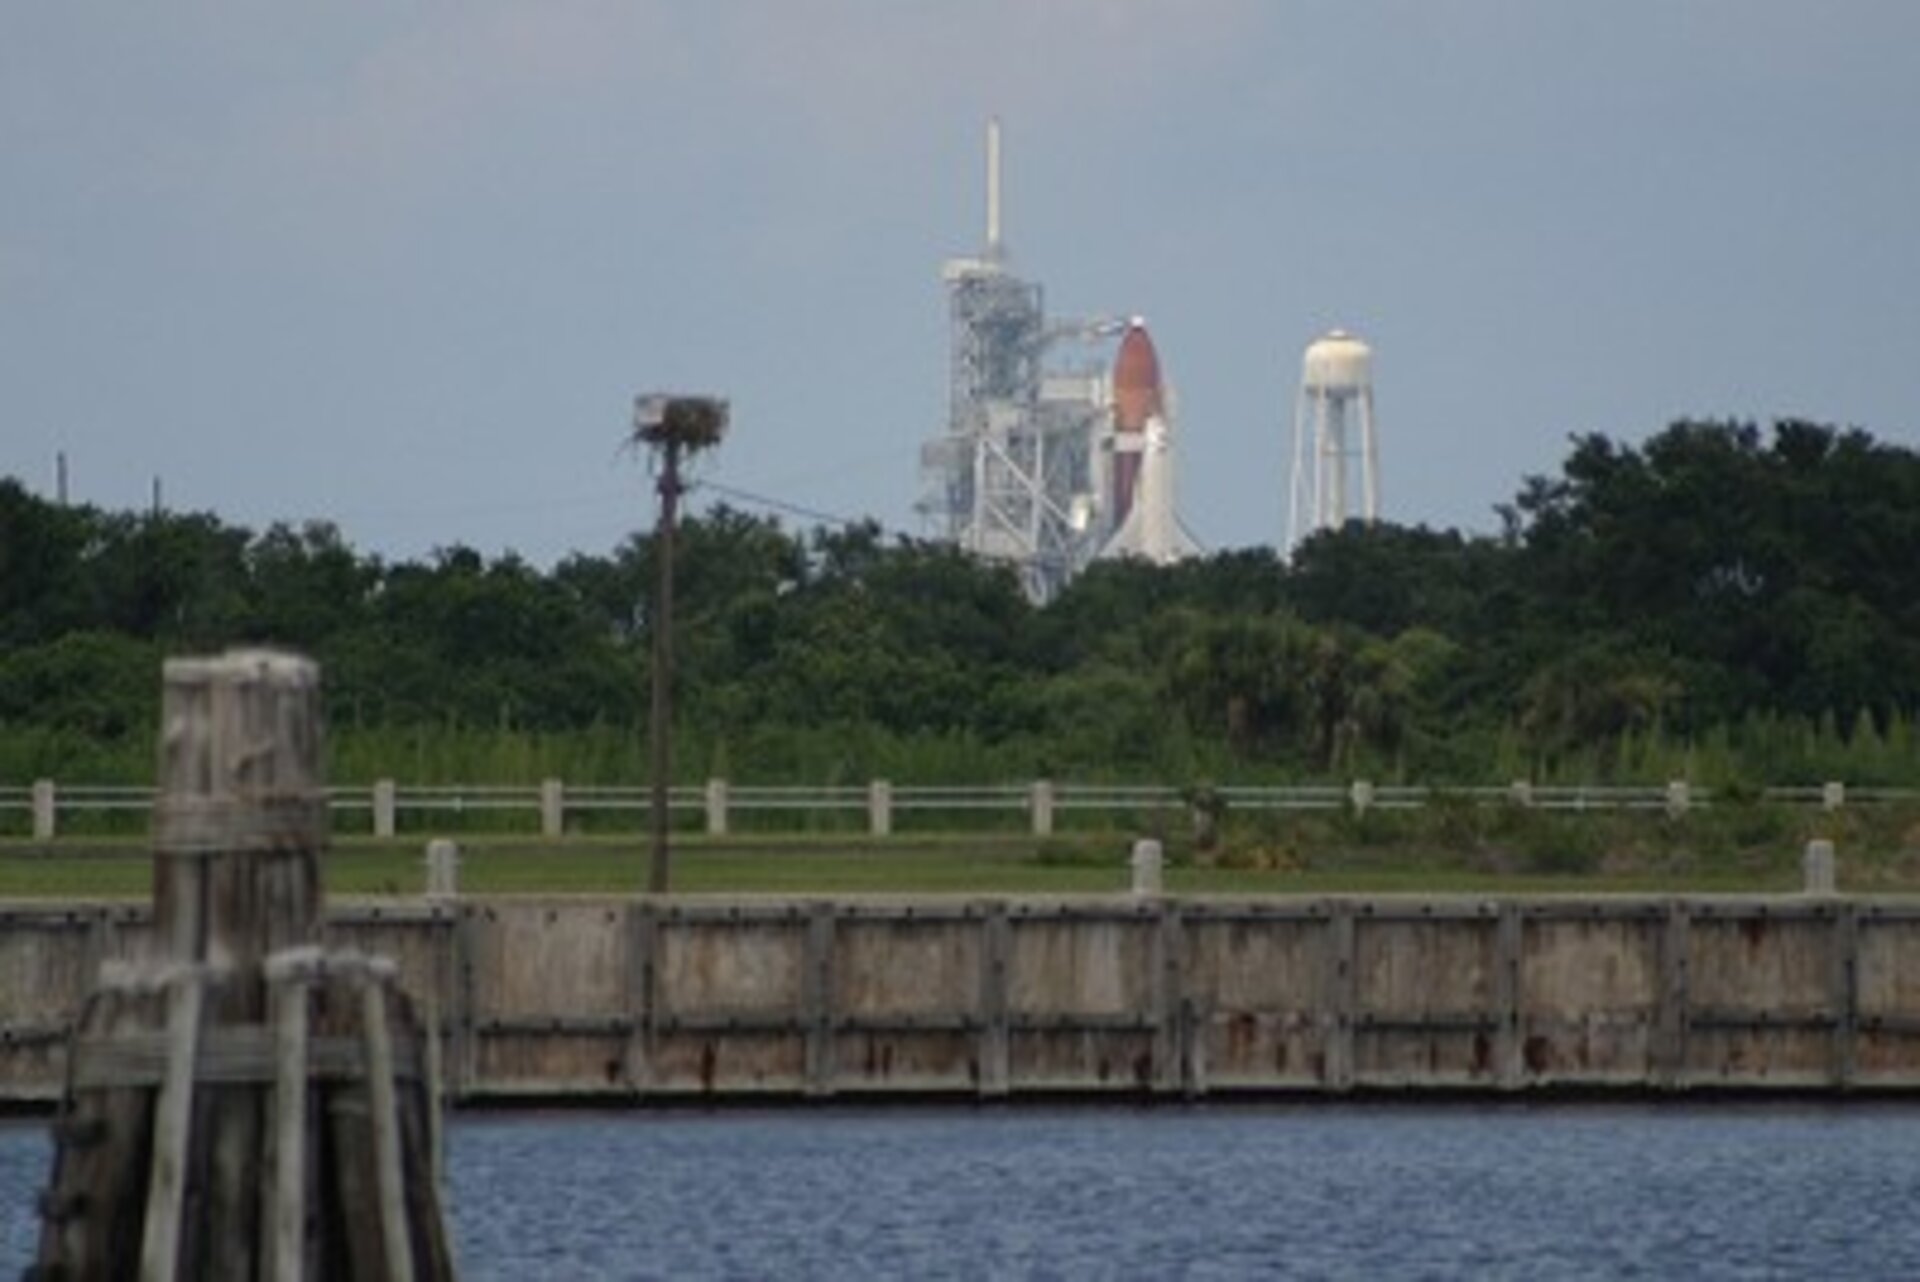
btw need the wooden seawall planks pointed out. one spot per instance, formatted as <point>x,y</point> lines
<point>657,999</point>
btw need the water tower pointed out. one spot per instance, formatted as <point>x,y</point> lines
<point>1334,448</point>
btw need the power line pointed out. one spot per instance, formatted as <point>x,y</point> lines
<point>846,522</point>
<point>791,509</point>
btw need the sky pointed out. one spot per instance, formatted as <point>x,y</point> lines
<point>404,266</point>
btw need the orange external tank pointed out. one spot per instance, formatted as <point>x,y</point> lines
<point>1136,399</point>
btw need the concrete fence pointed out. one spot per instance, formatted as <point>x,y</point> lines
<point>655,999</point>
<point>1037,806</point>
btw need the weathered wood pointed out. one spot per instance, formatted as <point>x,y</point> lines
<point>1672,1016</point>
<point>198,1132</point>
<point>242,812</point>
<point>386,1128</point>
<point>991,1048</point>
<point>923,994</point>
<point>352,1245</point>
<point>1173,1049</point>
<point>1846,995</point>
<point>103,938</point>
<point>289,977</point>
<point>1341,1001</point>
<point>817,998</point>
<point>96,1200</point>
<point>466,1051</point>
<point>236,1167</point>
<point>417,1108</point>
<point>368,1230</point>
<point>436,1100</point>
<point>1507,954</point>
<point>172,1132</point>
<point>642,971</point>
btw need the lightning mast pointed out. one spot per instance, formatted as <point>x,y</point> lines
<point>1011,478</point>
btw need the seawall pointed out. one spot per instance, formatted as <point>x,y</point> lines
<point>643,1000</point>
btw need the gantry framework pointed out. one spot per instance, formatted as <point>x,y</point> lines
<point>1017,474</point>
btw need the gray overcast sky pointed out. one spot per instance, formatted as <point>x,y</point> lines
<point>403,266</point>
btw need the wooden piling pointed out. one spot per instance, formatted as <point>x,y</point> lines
<point>200,1077</point>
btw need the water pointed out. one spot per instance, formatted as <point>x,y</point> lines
<point>1361,1191</point>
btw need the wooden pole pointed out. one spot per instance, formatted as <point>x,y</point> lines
<point>662,712</point>
<point>238,830</point>
<point>242,813</point>
<point>289,976</point>
<point>172,1132</point>
<point>386,1127</point>
<point>210,1163</point>
<point>676,426</point>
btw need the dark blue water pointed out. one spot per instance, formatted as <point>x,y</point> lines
<point>1771,1191</point>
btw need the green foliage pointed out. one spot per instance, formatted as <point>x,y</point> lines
<point>1561,850</point>
<point>1718,603</point>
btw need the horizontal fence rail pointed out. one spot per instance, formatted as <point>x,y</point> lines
<point>556,806</point>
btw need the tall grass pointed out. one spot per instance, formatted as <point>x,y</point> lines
<point>1759,751</point>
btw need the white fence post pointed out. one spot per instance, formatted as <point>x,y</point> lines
<point>383,807</point>
<point>443,869</point>
<point>1040,802</point>
<point>45,808</point>
<point>1361,795</point>
<point>1520,793</point>
<point>1147,862</point>
<point>717,807</point>
<point>1817,869</point>
<point>1833,795</point>
<point>880,808</point>
<point>553,807</point>
<point>1679,797</point>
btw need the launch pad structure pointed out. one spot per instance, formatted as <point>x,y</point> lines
<point>1053,457</point>
<point>1021,471</point>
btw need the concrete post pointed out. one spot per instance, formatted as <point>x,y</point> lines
<point>45,809</point>
<point>1147,861</point>
<point>717,807</point>
<point>443,869</point>
<point>383,807</point>
<point>1679,798</point>
<point>1833,795</point>
<point>553,808</point>
<point>1361,796</point>
<point>1040,802</point>
<point>1817,869</point>
<point>1520,793</point>
<point>880,808</point>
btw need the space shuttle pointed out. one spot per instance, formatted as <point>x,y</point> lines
<point>1140,497</point>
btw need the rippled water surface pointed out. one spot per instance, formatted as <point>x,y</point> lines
<point>1361,1191</point>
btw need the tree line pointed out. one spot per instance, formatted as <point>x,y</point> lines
<point>1718,592</point>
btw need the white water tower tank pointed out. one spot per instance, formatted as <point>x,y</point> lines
<point>1334,447</point>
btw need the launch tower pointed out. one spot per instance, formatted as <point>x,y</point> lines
<point>1047,461</point>
<point>1013,477</point>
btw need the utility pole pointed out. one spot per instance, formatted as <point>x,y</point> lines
<point>661,720</point>
<point>673,427</point>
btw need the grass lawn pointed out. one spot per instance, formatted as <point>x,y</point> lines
<point>978,864</point>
